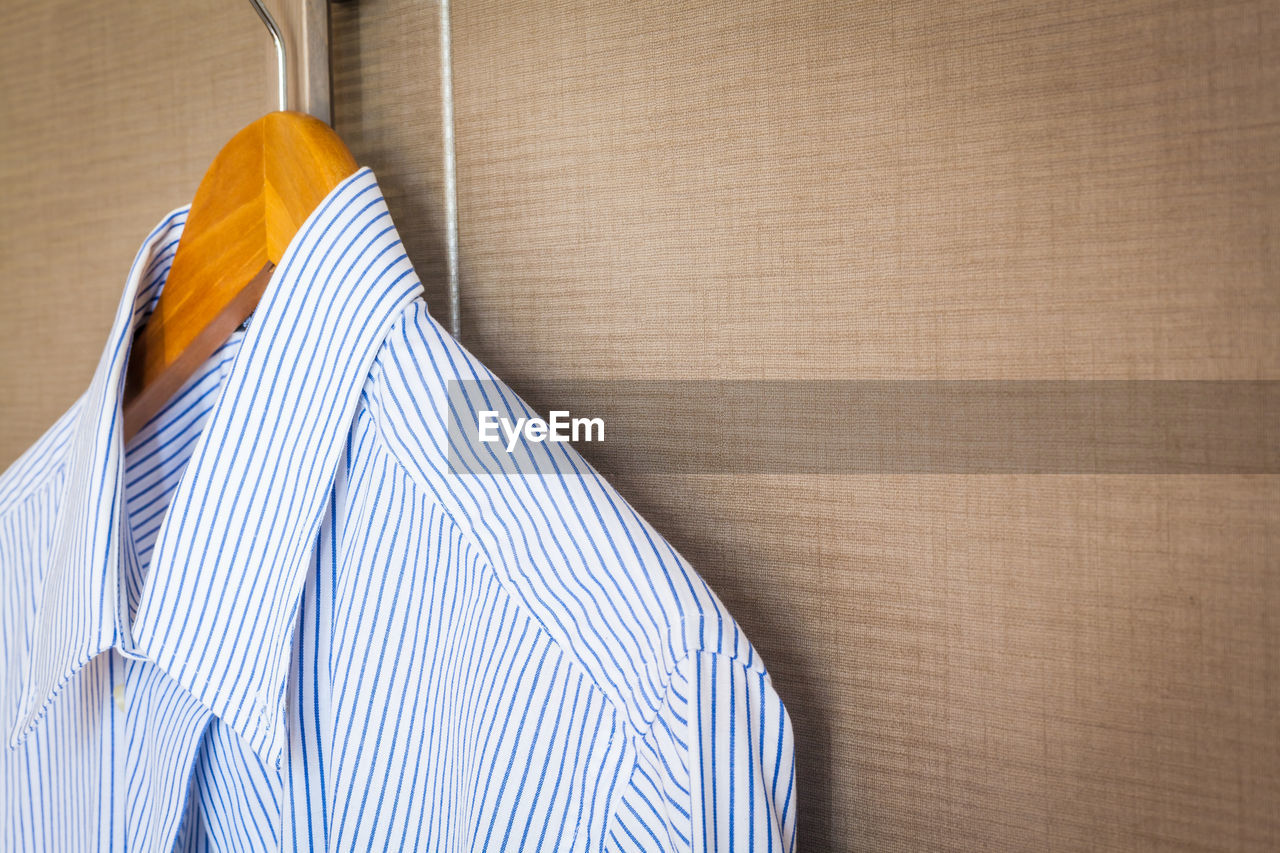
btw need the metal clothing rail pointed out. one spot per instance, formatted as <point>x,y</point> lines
<point>314,78</point>
<point>450,171</point>
<point>310,90</point>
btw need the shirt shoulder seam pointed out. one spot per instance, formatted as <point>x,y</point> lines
<point>426,494</point>
<point>678,635</point>
<point>753,667</point>
<point>682,637</point>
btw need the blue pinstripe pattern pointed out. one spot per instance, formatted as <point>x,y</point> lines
<point>278,619</point>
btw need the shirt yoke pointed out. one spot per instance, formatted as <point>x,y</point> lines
<point>613,595</point>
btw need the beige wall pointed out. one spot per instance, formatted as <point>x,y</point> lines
<point>806,189</point>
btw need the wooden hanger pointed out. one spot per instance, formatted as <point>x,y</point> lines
<point>259,190</point>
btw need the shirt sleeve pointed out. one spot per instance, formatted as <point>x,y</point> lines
<point>716,771</point>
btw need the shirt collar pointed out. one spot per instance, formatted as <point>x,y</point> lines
<point>231,557</point>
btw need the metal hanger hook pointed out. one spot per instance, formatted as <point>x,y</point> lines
<point>282,65</point>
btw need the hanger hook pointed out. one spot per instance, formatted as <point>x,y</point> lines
<point>282,79</point>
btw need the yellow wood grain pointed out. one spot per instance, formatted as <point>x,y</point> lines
<point>259,190</point>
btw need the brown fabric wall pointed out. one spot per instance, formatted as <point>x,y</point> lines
<point>809,189</point>
<point>109,114</point>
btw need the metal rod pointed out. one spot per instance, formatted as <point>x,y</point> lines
<point>450,173</point>
<point>282,63</point>
<point>314,92</point>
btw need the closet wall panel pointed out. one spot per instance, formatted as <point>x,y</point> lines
<point>387,108</point>
<point>936,191</point>
<point>109,115</point>
<point>804,190</point>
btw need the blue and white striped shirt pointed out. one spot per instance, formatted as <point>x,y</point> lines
<point>280,619</point>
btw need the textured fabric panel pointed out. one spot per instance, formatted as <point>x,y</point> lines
<point>984,190</point>
<point>109,115</point>
<point>387,108</point>
<point>922,190</point>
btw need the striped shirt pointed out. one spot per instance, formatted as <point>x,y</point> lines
<point>285,616</point>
